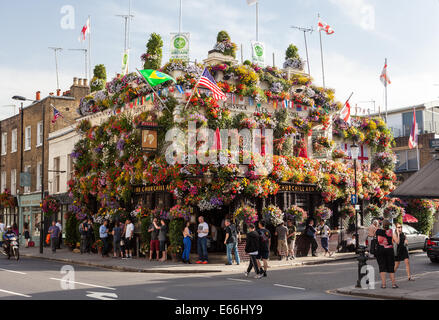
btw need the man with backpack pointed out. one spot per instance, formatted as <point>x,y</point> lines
<point>264,247</point>
<point>231,242</point>
<point>252,249</point>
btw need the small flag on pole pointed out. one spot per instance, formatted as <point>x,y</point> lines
<point>384,77</point>
<point>84,31</point>
<point>325,27</point>
<point>56,114</point>
<point>208,82</point>
<point>346,112</point>
<point>180,89</point>
<point>154,77</point>
<point>413,140</point>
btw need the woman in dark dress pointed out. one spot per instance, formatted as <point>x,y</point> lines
<point>385,255</point>
<point>402,253</point>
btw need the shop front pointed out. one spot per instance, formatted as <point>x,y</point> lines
<point>30,214</point>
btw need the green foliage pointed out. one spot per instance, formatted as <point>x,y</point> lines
<point>222,36</point>
<point>99,78</point>
<point>247,63</point>
<point>176,227</point>
<point>144,234</point>
<point>72,230</point>
<point>100,72</point>
<point>154,52</point>
<point>423,210</point>
<point>292,52</point>
<point>237,118</point>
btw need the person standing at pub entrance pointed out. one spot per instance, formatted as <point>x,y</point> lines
<point>203,231</point>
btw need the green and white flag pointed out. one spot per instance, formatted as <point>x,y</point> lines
<point>258,53</point>
<point>125,61</point>
<point>155,77</point>
<point>180,45</point>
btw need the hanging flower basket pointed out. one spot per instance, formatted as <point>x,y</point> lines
<point>324,213</point>
<point>50,206</point>
<point>180,212</point>
<point>347,211</point>
<point>393,211</point>
<point>273,215</point>
<point>246,214</point>
<point>296,213</point>
<point>373,210</point>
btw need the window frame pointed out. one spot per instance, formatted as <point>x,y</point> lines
<point>28,138</point>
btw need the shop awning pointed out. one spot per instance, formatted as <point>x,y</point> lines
<point>408,218</point>
<point>423,184</point>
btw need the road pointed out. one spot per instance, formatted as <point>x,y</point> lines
<point>42,279</point>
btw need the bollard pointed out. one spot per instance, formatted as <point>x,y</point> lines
<point>362,258</point>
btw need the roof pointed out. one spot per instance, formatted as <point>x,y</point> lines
<point>423,184</point>
<point>421,106</point>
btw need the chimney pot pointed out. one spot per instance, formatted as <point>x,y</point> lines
<point>38,95</point>
<point>58,92</point>
<point>75,81</point>
<point>85,82</point>
<point>118,75</point>
<point>51,94</point>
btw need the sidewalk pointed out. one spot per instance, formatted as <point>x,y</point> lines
<point>423,288</point>
<point>143,265</point>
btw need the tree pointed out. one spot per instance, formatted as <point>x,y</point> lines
<point>153,57</point>
<point>100,72</point>
<point>292,52</point>
<point>99,78</point>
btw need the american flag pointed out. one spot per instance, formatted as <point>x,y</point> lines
<point>56,115</point>
<point>207,81</point>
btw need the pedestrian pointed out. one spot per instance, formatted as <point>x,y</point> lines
<point>117,233</point>
<point>154,244</point>
<point>202,231</point>
<point>59,225</point>
<point>129,239</point>
<point>83,227</point>
<point>371,235</point>
<point>385,255</point>
<point>26,234</point>
<point>123,242</point>
<point>310,232</point>
<point>291,239</point>
<point>103,234</point>
<point>325,233</point>
<point>402,253</point>
<point>163,230</point>
<point>282,247</point>
<point>231,242</point>
<point>90,235</point>
<point>2,231</point>
<point>264,247</point>
<point>187,237</point>
<point>252,249</point>
<point>54,235</point>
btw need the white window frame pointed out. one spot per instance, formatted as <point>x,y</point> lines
<point>40,134</point>
<point>13,182</point>
<point>27,169</point>
<point>27,138</point>
<point>56,175</point>
<point>3,181</point>
<point>14,140</point>
<point>4,143</point>
<point>38,177</point>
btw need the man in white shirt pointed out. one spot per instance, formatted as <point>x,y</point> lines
<point>129,239</point>
<point>59,225</point>
<point>202,231</point>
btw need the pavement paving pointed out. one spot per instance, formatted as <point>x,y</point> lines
<point>144,265</point>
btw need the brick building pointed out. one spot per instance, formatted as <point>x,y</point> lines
<point>21,151</point>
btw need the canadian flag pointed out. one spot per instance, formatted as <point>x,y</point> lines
<point>325,27</point>
<point>413,139</point>
<point>85,30</point>
<point>384,77</point>
<point>346,112</point>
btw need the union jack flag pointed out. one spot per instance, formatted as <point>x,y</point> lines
<point>207,81</point>
<point>56,114</point>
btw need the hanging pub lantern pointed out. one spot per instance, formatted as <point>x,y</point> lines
<point>150,132</point>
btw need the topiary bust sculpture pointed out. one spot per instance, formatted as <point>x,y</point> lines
<point>99,78</point>
<point>224,45</point>
<point>292,58</point>
<point>153,57</point>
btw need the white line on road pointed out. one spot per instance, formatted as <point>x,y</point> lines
<point>17,294</point>
<point>242,280</point>
<point>85,284</point>
<point>1,269</point>
<point>284,286</point>
<point>165,298</point>
<point>102,295</point>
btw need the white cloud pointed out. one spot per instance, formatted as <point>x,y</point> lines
<point>360,12</point>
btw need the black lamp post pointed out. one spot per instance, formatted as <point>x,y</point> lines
<point>355,150</point>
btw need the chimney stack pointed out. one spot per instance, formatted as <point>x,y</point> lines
<point>75,81</point>
<point>38,95</point>
<point>58,92</point>
<point>85,83</point>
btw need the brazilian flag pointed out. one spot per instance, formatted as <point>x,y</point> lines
<point>155,77</point>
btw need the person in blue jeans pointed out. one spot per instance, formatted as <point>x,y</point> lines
<point>187,236</point>
<point>231,242</point>
<point>203,231</point>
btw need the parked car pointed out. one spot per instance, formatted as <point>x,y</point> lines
<point>415,239</point>
<point>432,248</point>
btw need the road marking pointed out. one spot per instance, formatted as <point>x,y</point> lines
<point>17,294</point>
<point>1,269</point>
<point>242,280</point>
<point>85,284</point>
<point>284,286</point>
<point>165,298</point>
<point>102,295</point>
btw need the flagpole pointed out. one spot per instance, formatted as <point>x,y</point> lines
<point>193,91</point>
<point>257,20</point>
<point>89,51</point>
<point>385,88</point>
<point>141,76</point>
<point>321,54</point>
<point>180,16</point>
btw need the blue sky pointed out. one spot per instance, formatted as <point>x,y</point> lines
<point>366,32</point>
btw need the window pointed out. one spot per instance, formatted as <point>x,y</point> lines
<point>14,141</point>
<point>318,154</point>
<point>3,181</point>
<point>40,133</point>
<point>27,138</point>
<point>27,169</point>
<point>407,160</point>
<point>14,182</point>
<point>407,121</point>
<point>38,177</point>
<point>4,142</point>
<point>56,179</point>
